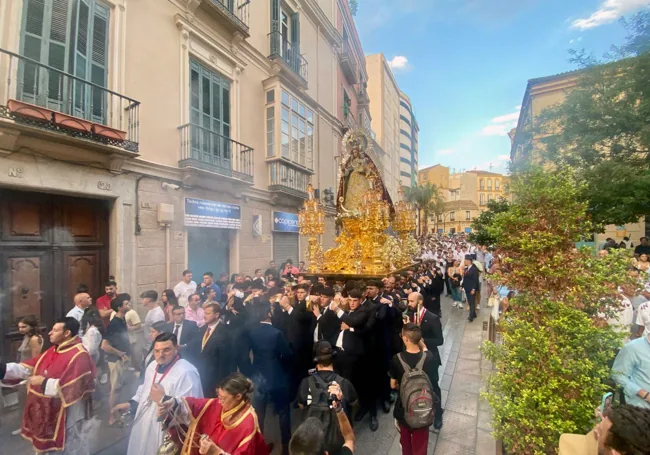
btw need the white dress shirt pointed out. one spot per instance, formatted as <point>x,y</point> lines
<point>183,291</point>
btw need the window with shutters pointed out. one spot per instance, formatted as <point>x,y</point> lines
<point>72,37</point>
<point>210,116</point>
<point>285,38</point>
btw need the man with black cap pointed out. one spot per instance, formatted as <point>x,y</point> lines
<point>471,285</point>
<point>214,347</point>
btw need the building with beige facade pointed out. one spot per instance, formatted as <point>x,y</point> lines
<point>526,146</point>
<point>408,135</point>
<point>385,112</point>
<point>465,195</point>
<point>138,139</point>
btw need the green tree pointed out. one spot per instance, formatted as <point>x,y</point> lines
<point>602,128</point>
<point>354,6</point>
<point>480,225</point>
<point>427,200</point>
<point>552,366</point>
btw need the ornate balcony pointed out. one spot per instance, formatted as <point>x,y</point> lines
<point>348,63</point>
<point>290,62</point>
<point>39,97</point>
<point>205,150</point>
<point>233,14</point>
<point>288,180</point>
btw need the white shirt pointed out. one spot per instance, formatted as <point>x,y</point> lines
<point>178,331</point>
<point>183,291</point>
<point>92,340</point>
<point>643,317</point>
<point>153,316</point>
<point>318,319</point>
<point>622,320</point>
<point>76,313</point>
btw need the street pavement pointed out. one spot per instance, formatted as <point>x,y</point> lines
<point>466,429</point>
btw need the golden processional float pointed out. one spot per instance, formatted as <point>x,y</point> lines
<point>375,236</point>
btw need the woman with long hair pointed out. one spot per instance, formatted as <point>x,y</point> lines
<point>169,301</point>
<point>226,424</point>
<point>31,347</point>
<point>455,274</point>
<point>92,327</point>
<point>642,264</point>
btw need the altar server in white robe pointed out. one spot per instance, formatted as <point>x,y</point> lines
<point>177,377</point>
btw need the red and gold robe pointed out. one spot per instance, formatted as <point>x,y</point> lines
<point>44,419</point>
<point>243,437</point>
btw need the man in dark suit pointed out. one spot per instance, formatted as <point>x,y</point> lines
<point>328,325</point>
<point>471,285</point>
<point>187,332</point>
<point>359,324</point>
<point>271,355</point>
<point>214,349</point>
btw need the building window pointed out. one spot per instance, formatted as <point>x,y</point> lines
<point>496,184</point>
<point>71,37</point>
<point>452,216</point>
<point>297,131</point>
<point>489,183</point>
<point>270,131</point>
<point>506,188</point>
<point>482,199</point>
<point>270,97</point>
<point>489,197</point>
<point>347,103</point>
<point>467,215</point>
<point>425,177</point>
<point>482,184</point>
<point>439,218</point>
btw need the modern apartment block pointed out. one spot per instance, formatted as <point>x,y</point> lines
<point>141,138</point>
<point>408,130</point>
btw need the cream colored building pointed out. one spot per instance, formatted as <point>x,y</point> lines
<point>149,136</point>
<point>384,96</point>
<point>526,147</point>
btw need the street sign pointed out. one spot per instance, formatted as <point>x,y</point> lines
<point>212,214</point>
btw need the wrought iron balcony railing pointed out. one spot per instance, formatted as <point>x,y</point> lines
<point>237,11</point>
<point>204,149</point>
<point>348,62</point>
<point>288,53</point>
<point>40,95</point>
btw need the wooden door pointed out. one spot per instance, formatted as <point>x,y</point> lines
<point>49,246</point>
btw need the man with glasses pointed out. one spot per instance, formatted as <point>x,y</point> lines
<point>187,332</point>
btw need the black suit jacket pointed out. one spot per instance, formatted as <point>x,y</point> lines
<point>328,326</point>
<point>215,358</point>
<point>471,279</point>
<point>189,332</point>
<point>270,355</point>
<point>431,328</point>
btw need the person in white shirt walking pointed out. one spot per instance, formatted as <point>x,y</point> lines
<point>81,302</point>
<point>185,288</point>
<point>155,314</point>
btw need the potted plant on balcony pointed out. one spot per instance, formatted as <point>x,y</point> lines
<point>71,122</point>
<point>31,111</point>
<point>108,132</point>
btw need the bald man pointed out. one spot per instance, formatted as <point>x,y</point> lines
<point>81,302</point>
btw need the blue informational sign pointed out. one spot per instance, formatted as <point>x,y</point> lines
<point>285,222</point>
<point>468,230</point>
<point>212,214</point>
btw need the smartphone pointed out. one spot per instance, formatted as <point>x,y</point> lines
<point>606,402</point>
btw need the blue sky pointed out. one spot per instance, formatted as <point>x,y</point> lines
<point>465,63</point>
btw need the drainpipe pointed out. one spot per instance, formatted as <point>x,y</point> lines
<point>168,264</point>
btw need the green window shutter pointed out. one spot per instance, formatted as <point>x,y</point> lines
<point>275,36</point>
<point>32,47</point>
<point>98,70</point>
<point>295,32</point>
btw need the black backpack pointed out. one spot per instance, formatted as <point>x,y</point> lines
<point>320,409</point>
<point>416,394</point>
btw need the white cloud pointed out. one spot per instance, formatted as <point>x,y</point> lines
<point>502,124</point>
<point>503,158</point>
<point>608,12</point>
<point>399,62</point>
<point>445,152</point>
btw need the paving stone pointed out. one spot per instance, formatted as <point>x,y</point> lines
<point>470,354</point>
<point>450,367</point>
<point>462,402</point>
<point>484,421</point>
<point>453,356</point>
<point>443,398</point>
<point>468,366</point>
<point>483,404</point>
<point>485,443</point>
<point>464,382</point>
<point>459,429</point>
<point>444,447</point>
<point>445,382</point>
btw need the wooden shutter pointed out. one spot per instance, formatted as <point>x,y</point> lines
<point>97,63</point>
<point>275,36</point>
<point>295,32</point>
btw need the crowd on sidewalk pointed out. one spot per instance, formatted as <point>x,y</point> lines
<point>217,355</point>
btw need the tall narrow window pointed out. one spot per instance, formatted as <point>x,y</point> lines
<point>297,131</point>
<point>482,199</point>
<point>482,184</point>
<point>452,216</point>
<point>72,37</point>
<point>489,182</point>
<point>497,184</point>
<point>270,131</point>
<point>210,116</point>
<point>467,215</point>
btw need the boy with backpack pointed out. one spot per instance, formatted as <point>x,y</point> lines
<point>314,395</point>
<point>413,372</point>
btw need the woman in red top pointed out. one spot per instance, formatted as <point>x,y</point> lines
<point>226,425</point>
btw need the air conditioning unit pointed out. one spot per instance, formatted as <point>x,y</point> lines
<point>165,214</point>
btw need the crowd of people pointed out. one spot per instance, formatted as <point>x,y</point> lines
<point>211,358</point>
